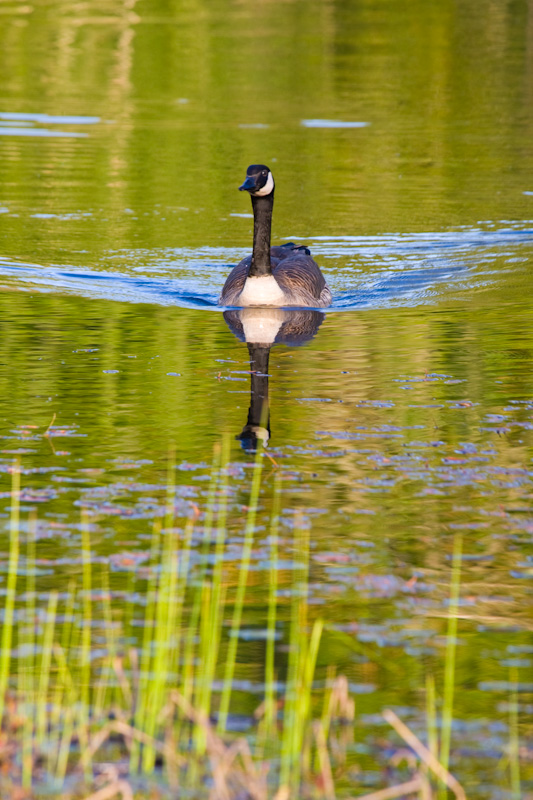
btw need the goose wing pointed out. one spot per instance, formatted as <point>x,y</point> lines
<point>301,279</point>
<point>283,251</point>
<point>235,282</point>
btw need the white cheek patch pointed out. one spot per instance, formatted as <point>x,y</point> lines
<point>267,188</point>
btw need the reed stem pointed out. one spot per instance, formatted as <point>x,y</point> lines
<point>241,590</point>
<point>11,588</point>
<point>514,741</point>
<point>451,644</point>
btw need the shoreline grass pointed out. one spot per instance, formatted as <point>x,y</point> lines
<point>168,703</point>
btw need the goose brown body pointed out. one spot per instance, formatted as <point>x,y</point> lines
<point>296,273</point>
<point>279,276</point>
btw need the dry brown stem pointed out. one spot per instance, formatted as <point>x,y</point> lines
<point>415,785</point>
<point>222,758</point>
<point>120,787</point>
<point>341,701</point>
<point>424,754</point>
<point>129,733</point>
<point>323,757</point>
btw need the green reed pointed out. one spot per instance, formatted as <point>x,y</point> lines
<point>149,617</point>
<point>9,608</point>
<point>212,606</point>
<point>65,736</point>
<point>72,685</point>
<point>59,693</point>
<point>451,645</point>
<point>43,686</point>
<point>295,751</point>
<point>270,675</point>
<point>514,741</point>
<point>163,635</point>
<point>27,664</point>
<point>431,716</point>
<point>244,567</point>
<point>103,691</point>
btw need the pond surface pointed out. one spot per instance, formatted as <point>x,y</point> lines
<point>401,140</point>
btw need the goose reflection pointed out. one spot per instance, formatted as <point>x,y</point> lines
<point>261,329</point>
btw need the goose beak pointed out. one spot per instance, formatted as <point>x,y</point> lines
<point>248,185</point>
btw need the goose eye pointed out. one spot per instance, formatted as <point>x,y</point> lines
<point>265,172</point>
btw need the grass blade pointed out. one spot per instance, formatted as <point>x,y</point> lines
<point>451,643</point>
<point>241,590</point>
<point>11,588</point>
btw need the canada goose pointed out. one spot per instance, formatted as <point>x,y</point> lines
<point>261,328</point>
<point>272,276</point>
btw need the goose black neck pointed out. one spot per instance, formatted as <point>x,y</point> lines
<point>262,207</point>
<point>259,412</point>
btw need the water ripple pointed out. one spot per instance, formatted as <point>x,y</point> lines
<point>362,271</point>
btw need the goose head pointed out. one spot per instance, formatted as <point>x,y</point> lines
<point>259,181</point>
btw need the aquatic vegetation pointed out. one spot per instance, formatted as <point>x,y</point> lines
<point>74,705</point>
<point>84,691</point>
<point>251,595</point>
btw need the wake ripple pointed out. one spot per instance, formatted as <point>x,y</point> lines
<point>362,272</point>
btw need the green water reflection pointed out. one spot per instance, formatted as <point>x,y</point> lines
<point>189,93</point>
<point>394,428</point>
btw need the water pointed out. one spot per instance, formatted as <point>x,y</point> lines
<point>399,138</point>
